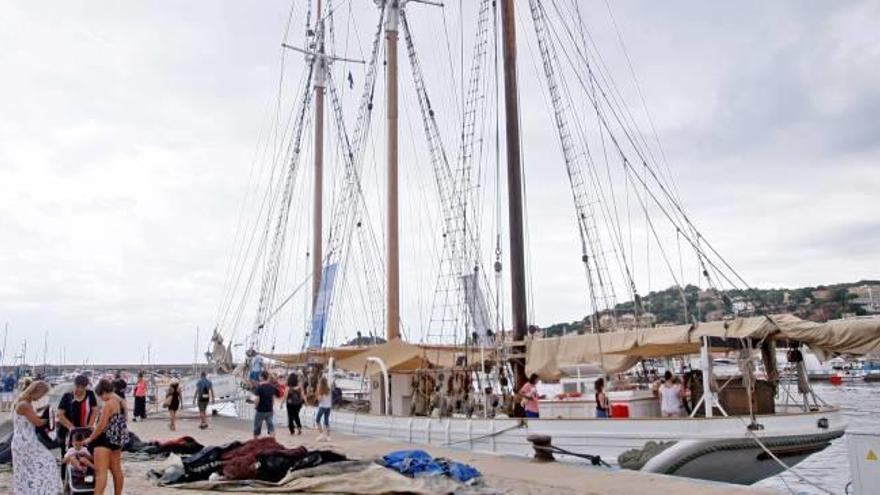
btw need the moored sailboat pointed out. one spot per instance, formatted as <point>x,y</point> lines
<point>440,393</point>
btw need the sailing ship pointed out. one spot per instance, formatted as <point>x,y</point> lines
<point>443,388</point>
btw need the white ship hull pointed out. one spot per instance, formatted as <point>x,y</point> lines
<point>720,448</point>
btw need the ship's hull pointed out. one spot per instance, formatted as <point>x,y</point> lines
<point>720,448</point>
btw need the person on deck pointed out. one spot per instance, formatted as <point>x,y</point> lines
<point>602,407</point>
<point>140,398</point>
<point>490,402</point>
<point>294,401</point>
<point>686,393</point>
<point>529,394</point>
<point>76,409</point>
<point>670,397</point>
<point>204,394</point>
<point>265,403</point>
<point>256,364</point>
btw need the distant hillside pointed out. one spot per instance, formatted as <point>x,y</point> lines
<point>666,307</point>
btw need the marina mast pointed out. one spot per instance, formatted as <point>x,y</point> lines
<point>392,316</point>
<point>519,303</point>
<point>318,199</point>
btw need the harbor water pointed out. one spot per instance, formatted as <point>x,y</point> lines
<point>829,469</point>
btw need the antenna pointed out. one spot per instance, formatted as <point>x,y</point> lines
<point>45,349</point>
<point>3,352</point>
<point>196,353</point>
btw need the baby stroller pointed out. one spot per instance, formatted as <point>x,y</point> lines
<point>78,481</point>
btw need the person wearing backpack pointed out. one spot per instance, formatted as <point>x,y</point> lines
<point>204,394</point>
<point>295,399</point>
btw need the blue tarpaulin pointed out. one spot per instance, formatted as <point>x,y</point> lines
<point>420,463</point>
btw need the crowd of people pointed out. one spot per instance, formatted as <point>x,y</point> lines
<point>673,392</point>
<point>266,389</point>
<point>102,412</point>
<point>90,428</point>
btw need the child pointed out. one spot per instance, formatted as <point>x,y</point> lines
<point>78,456</point>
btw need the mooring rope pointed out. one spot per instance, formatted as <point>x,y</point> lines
<point>779,461</point>
<point>488,435</point>
<point>594,459</point>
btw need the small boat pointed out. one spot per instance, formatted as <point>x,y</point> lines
<point>871,369</point>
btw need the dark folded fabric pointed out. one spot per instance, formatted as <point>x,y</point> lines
<point>274,464</point>
<point>241,462</point>
<point>135,444</point>
<point>253,447</point>
<point>200,465</point>
<point>181,446</point>
<point>6,450</point>
<point>240,468</point>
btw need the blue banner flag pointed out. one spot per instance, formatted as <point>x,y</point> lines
<point>321,313</point>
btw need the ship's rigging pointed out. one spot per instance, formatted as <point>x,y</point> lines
<point>627,210</point>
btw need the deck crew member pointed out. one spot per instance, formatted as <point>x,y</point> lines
<point>601,398</point>
<point>670,397</point>
<point>529,394</point>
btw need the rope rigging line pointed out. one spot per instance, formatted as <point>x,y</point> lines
<point>267,209</point>
<point>663,159</point>
<point>350,208</point>
<point>580,195</point>
<point>453,187</point>
<point>270,275</point>
<point>238,260</point>
<point>676,212</point>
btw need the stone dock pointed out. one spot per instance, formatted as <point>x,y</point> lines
<point>506,474</point>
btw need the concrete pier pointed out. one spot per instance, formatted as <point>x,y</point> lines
<point>507,474</point>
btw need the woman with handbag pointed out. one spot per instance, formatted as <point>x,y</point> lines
<point>108,438</point>
<point>294,401</point>
<point>34,470</point>
<point>172,402</point>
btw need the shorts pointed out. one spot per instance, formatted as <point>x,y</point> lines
<point>203,406</point>
<point>601,413</point>
<point>530,414</point>
<point>254,376</point>
<point>103,441</point>
<point>259,419</point>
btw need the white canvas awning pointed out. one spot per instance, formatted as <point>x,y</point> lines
<point>617,351</point>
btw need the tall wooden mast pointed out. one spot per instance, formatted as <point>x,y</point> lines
<point>318,199</point>
<point>514,183</point>
<point>392,316</point>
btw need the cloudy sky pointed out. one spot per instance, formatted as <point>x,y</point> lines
<point>129,129</point>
